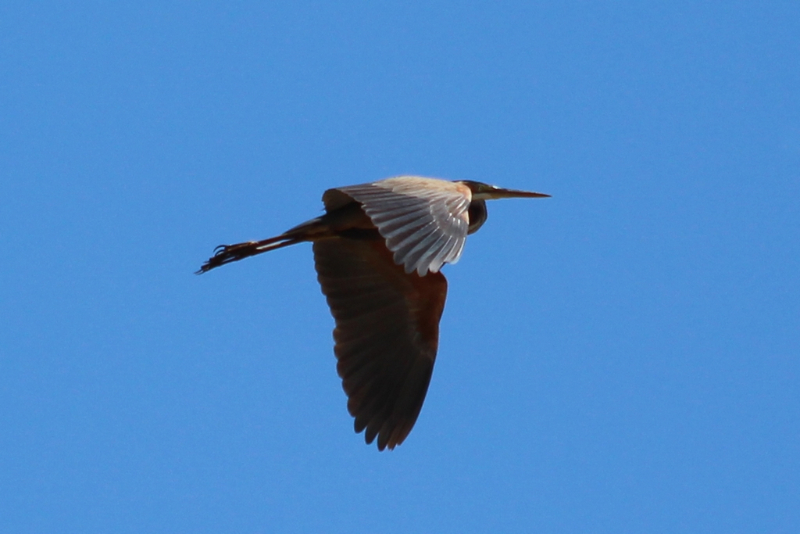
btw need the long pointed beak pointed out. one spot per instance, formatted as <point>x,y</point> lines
<point>498,192</point>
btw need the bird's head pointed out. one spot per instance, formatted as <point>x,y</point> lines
<point>481,191</point>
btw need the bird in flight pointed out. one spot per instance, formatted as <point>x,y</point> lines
<point>378,250</point>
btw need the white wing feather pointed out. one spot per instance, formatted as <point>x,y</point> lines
<point>424,220</point>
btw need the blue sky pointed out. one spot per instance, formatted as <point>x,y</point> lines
<point>622,357</point>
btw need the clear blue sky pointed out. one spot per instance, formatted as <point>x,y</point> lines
<point>622,357</point>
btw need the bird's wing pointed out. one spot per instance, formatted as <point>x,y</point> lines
<point>387,333</point>
<point>424,220</point>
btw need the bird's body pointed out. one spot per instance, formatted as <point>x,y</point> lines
<point>377,251</point>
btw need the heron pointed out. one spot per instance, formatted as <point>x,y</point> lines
<point>378,251</point>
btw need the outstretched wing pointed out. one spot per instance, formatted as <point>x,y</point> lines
<point>424,220</point>
<point>387,333</point>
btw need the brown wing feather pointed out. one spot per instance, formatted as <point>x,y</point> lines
<point>387,333</point>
